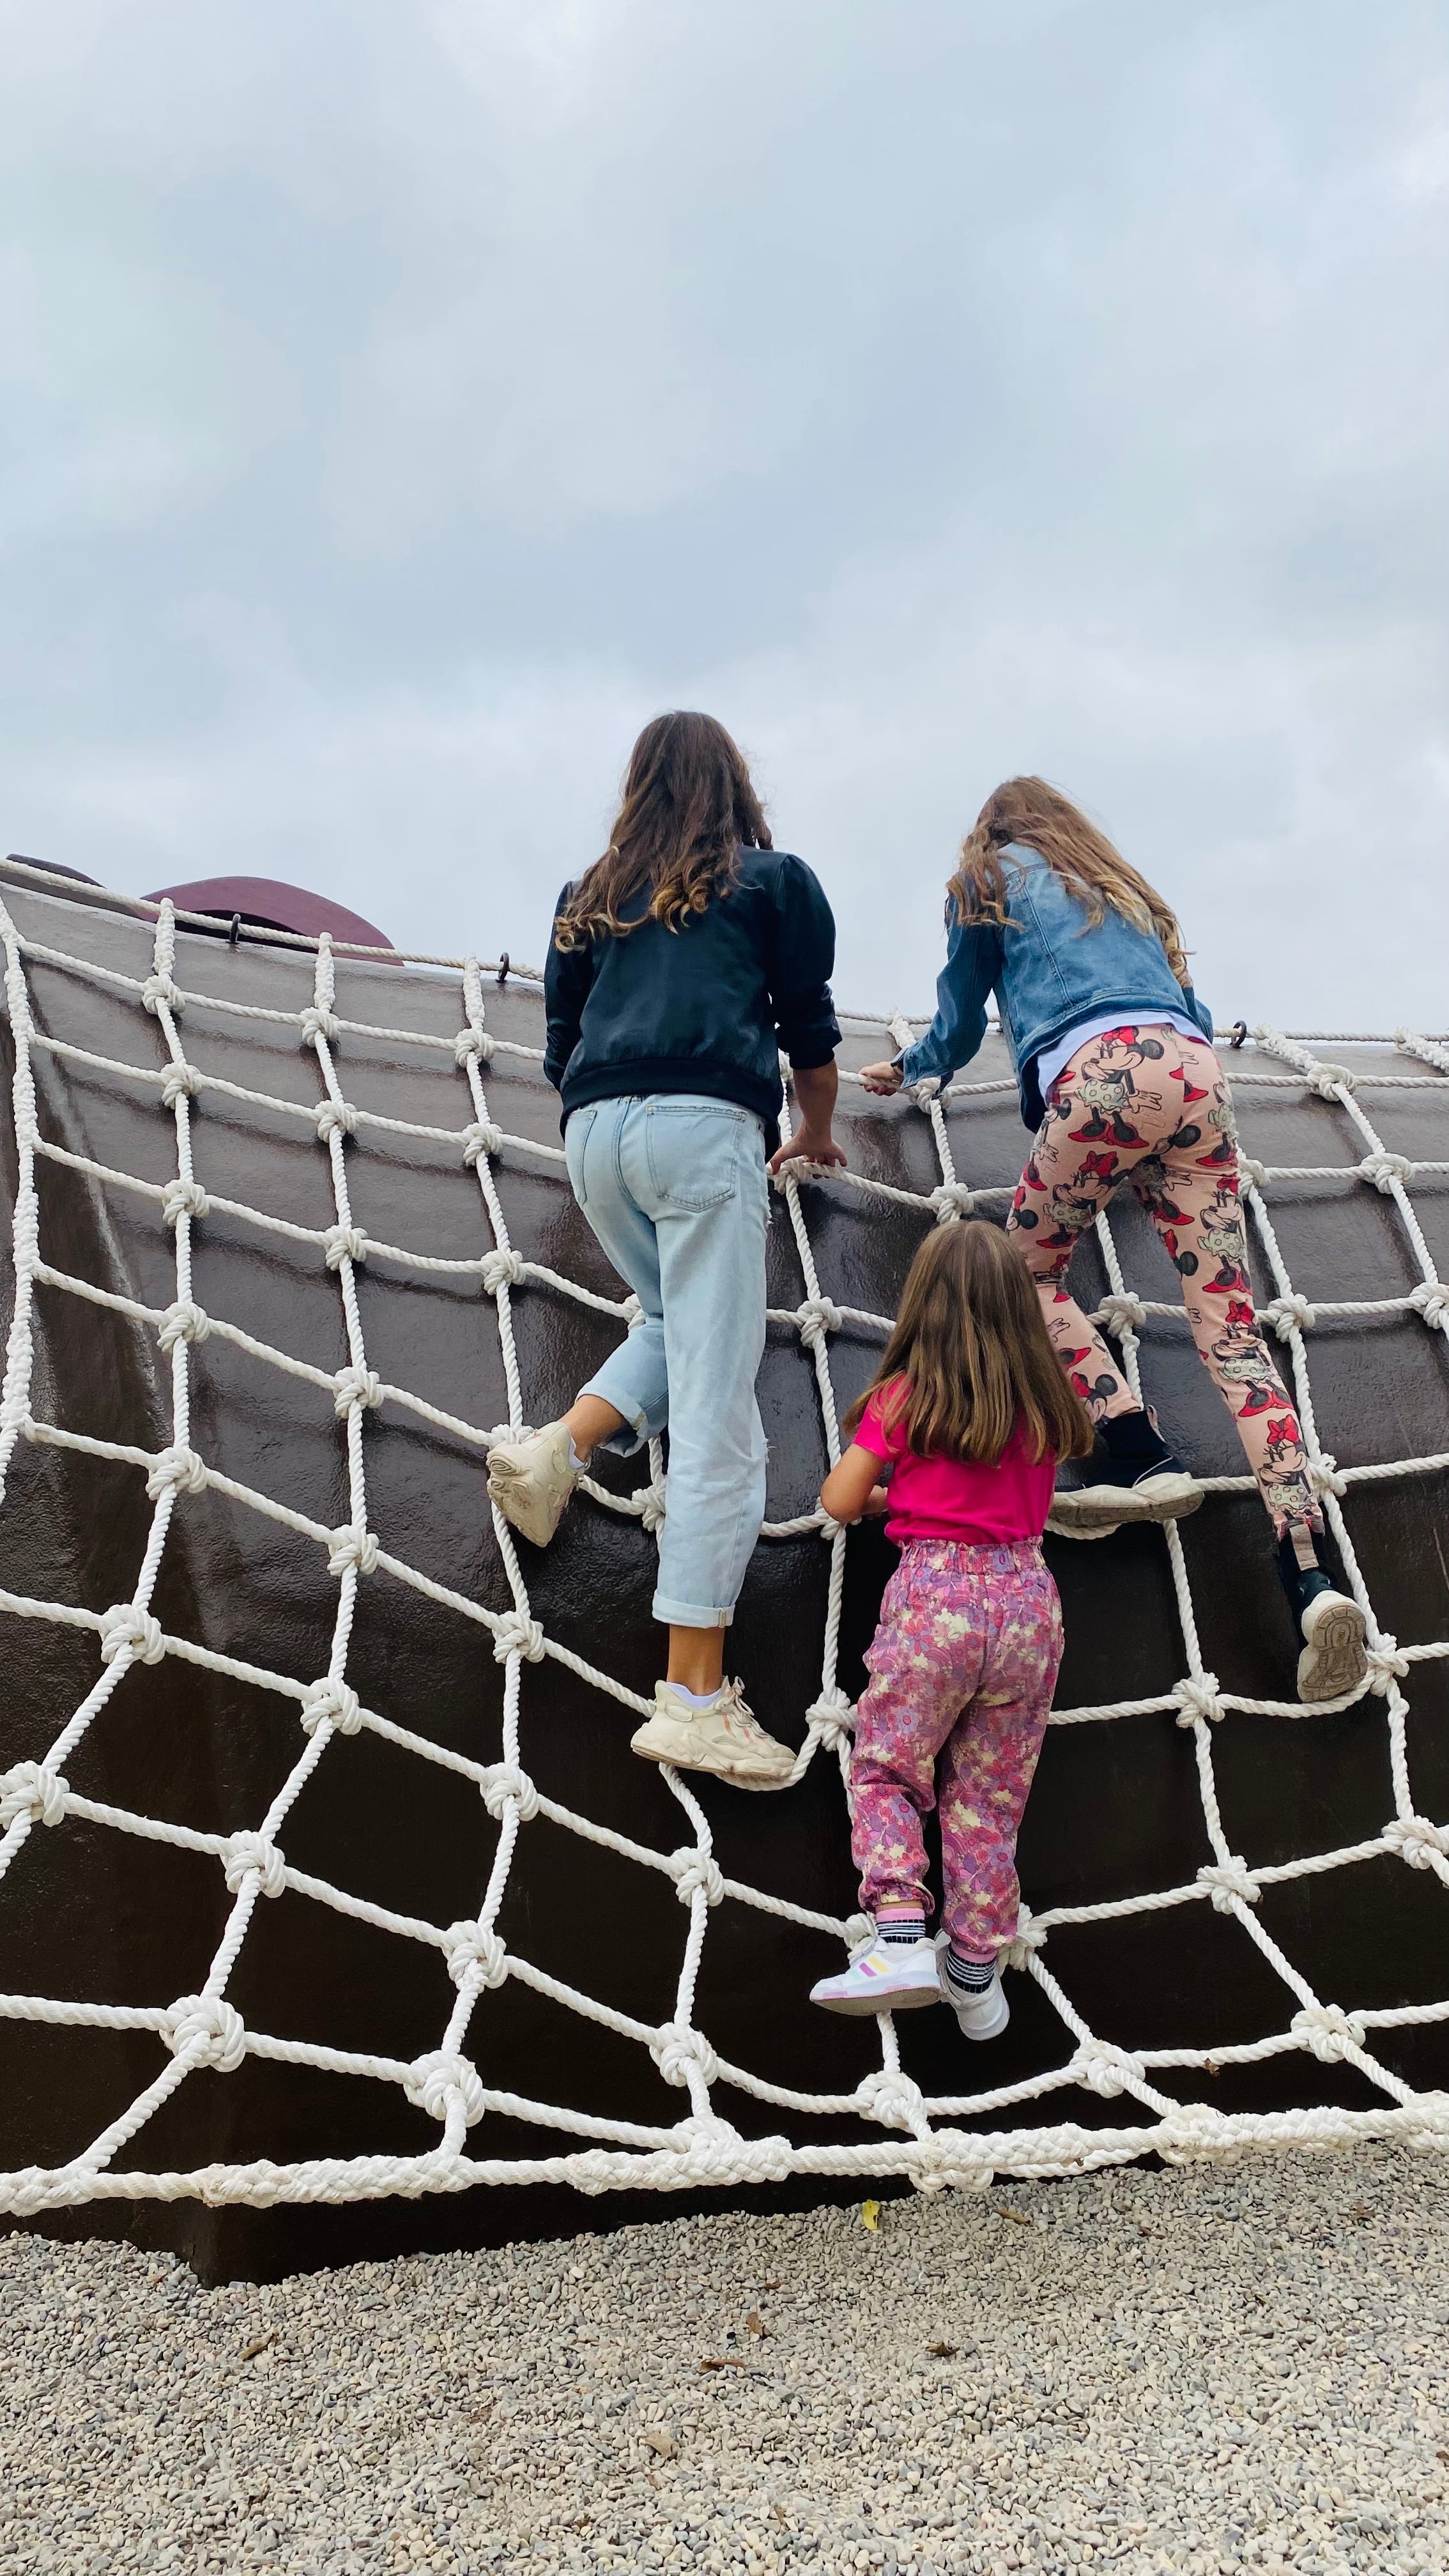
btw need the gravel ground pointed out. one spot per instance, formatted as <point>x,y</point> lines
<point>1197,2370</point>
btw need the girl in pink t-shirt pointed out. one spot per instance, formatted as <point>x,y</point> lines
<point>970,1412</point>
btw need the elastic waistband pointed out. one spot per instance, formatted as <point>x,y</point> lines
<point>979,1552</point>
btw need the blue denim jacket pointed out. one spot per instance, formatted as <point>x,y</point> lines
<point>1048,969</point>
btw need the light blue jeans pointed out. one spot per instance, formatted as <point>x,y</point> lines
<point>675,1189</point>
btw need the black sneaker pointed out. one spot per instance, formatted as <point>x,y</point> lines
<point>1334,1659</point>
<point>1134,1477</point>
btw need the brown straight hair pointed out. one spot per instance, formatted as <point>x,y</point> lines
<point>971,1356</point>
<point>688,806</point>
<point>1027,809</point>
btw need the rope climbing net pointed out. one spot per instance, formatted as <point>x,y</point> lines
<point>903,2131</point>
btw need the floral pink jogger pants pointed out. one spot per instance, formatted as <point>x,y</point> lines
<point>1152,1108</point>
<point>962,1667</point>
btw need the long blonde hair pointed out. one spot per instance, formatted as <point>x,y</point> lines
<point>688,806</point>
<point>1027,809</point>
<point>971,1356</point>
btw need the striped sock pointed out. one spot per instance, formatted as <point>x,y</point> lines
<point>972,1976</point>
<point>904,1928</point>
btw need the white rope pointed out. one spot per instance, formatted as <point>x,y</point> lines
<point>907,2133</point>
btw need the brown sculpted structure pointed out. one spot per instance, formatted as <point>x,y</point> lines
<point>336,1916</point>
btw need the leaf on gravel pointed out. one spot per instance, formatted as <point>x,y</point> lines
<point>664,2443</point>
<point>249,2351</point>
<point>870,2215</point>
<point>942,2351</point>
<point>1019,2215</point>
<point>726,2361</point>
<point>754,2323</point>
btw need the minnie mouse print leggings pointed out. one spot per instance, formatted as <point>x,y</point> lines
<point>1145,1105</point>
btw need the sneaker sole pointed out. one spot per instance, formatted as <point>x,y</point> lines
<point>678,1750</point>
<point>865,2007</point>
<point>1333,1661</point>
<point>1162,1498</point>
<point>521,1510</point>
<point>990,2030</point>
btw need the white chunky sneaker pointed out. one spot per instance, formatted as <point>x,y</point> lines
<point>982,2016</point>
<point>531,1479</point>
<point>883,1976</point>
<point>1334,1659</point>
<point>1167,1494</point>
<point>722,1737</point>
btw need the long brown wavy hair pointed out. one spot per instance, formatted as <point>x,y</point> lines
<point>971,1356</point>
<point>1027,809</point>
<point>687,807</point>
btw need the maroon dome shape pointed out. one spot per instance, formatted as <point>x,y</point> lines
<point>265,903</point>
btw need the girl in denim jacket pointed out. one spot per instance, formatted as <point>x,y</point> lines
<point>1116,1070</point>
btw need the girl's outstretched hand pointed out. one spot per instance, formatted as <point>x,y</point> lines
<point>882,1078</point>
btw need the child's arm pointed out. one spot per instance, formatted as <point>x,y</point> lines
<point>973,964</point>
<point>850,1491</point>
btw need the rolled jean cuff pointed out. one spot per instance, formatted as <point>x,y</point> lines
<point>628,1443</point>
<point>687,1614</point>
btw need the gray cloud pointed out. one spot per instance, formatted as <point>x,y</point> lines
<point>406,400</point>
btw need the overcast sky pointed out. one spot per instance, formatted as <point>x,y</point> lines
<point>405,399</point>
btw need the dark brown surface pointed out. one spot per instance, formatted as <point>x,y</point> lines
<point>95,1913</point>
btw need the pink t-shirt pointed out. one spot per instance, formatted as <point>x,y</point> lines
<point>967,1500</point>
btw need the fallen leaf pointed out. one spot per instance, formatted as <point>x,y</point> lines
<point>250,2351</point>
<point>727,2361</point>
<point>1019,2215</point>
<point>781,2517</point>
<point>753,2323</point>
<point>1359,2212</point>
<point>663,2443</point>
<point>870,2215</point>
<point>1212,2066</point>
<point>770,2285</point>
<point>1441,2455</point>
<point>942,2351</point>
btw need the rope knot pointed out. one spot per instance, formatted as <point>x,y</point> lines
<point>503,1270</point>
<point>331,1703</point>
<point>1028,1938</point>
<point>1384,1169</point>
<point>1195,2129</point>
<point>1431,1300</point>
<point>183,1322</point>
<point>352,1550</point>
<point>675,2048</point>
<point>30,1789</point>
<point>209,2029</point>
<point>1325,1079</point>
<point>182,1082</point>
<point>343,1243</point>
<point>1197,1697</point>
<point>179,1467</point>
<point>318,1023</point>
<point>654,1508</point>
<point>480,1139</point>
<point>831,1720</point>
<point>632,1311</point>
<point>1227,1879</point>
<point>435,2082</point>
<point>158,989</point>
<point>694,1870</point>
<point>1105,2069</point>
<point>335,1118</point>
<point>1122,1314</point>
<point>817,1317</point>
<point>470,1045</point>
<point>246,1852</point>
<point>1415,1840</point>
<point>507,1786</point>
<point>1253,1172</point>
<point>517,1634</point>
<point>1329,2031</point>
<point>859,1931</point>
<point>356,1386</point>
<point>1288,1313</point>
<point>894,2099</point>
<point>952,1200</point>
<point>183,1198</point>
<point>924,1091</point>
<point>1386,1663</point>
<point>124,1625</point>
<point>1324,1474</point>
<point>475,1945</point>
